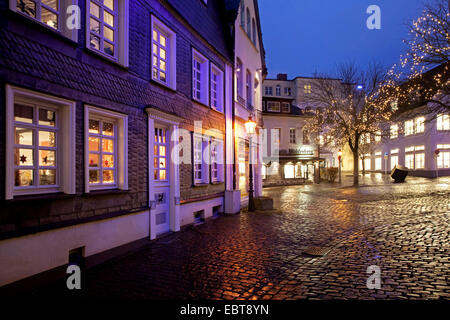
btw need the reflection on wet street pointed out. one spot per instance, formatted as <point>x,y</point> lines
<point>401,228</point>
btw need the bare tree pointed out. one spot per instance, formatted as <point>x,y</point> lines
<point>423,72</point>
<point>349,106</point>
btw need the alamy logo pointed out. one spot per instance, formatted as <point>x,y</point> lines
<point>374,20</point>
<point>374,280</point>
<point>74,17</point>
<point>74,280</point>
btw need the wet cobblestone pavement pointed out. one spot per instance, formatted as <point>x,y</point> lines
<point>403,229</point>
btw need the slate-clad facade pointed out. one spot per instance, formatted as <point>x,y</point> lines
<point>83,85</point>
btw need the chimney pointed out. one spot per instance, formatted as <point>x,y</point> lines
<point>282,76</point>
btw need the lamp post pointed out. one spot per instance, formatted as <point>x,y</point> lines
<point>250,127</point>
<point>339,159</point>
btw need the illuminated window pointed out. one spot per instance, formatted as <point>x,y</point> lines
<point>394,131</point>
<point>378,160</point>
<point>394,106</point>
<point>307,88</point>
<point>289,171</point>
<point>420,124</point>
<point>377,136</point>
<point>409,161</point>
<point>443,122</point>
<point>394,161</point>
<point>443,159</point>
<point>409,127</point>
<point>287,91</point>
<point>51,13</point>
<point>160,155</point>
<point>107,28</point>
<point>40,144</point>
<point>199,77</point>
<point>420,160</point>
<point>106,149</point>
<point>216,88</point>
<point>273,106</point>
<point>163,54</point>
<point>305,137</point>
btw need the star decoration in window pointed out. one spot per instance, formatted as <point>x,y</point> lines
<point>23,159</point>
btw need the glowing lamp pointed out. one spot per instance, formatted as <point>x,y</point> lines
<point>250,125</point>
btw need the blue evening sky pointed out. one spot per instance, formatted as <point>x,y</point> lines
<point>304,36</point>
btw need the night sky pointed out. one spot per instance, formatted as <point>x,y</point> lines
<point>305,36</point>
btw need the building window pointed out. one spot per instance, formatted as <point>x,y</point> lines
<point>420,160</point>
<point>443,159</point>
<point>286,107</point>
<point>394,131</point>
<point>40,143</point>
<point>305,137</point>
<point>273,106</point>
<point>51,13</point>
<point>278,91</point>
<point>106,144</point>
<point>216,88</point>
<point>163,54</point>
<point>200,149</point>
<point>409,127</point>
<point>292,136</point>
<point>394,105</point>
<point>254,32</point>
<point>268,91</point>
<point>249,31</point>
<point>239,78</point>
<point>199,77</point>
<point>276,135</point>
<point>365,138</point>
<point>420,124</point>
<point>160,156</point>
<point>242,14</point>
<point>248,86</point>
<point>443,122</point>
<point>287,91</point>
<point>307,88</point>
<point>107,28</point>
<point>289,171</point>
<point>263,172</point>
<point>409,161</point>
<point>216,160</point>
<point>378,162</point>
<point>263,106</point>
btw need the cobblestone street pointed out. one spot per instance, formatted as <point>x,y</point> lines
<point>401,228</point>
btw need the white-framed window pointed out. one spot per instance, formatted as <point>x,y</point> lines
<point>307,88</point>
<point>276,134</point>
<point>51,13</point>
<point>394,131</point>
<point>217,160</point>
<point>163,54</point>
<point>200,157</point>
<point>409,127</point>
<point>263,172</point>
<point>305,137</point>
<point>268,91</point>
<point>106,141</point>
<point>273,106</point>
<point>292,136</point>
<point>248,87</point>
<point>216,88</point>
<point>420,124</point>
<point>287,91</point>
<point>420,160</point>
<point>286,107</point>
<point>378,161</point>
<point>107,28</point>
<point>443,159</point>
<point>289,171</point>
<point>278,90</point>
<point>239,79</point>
<point>161,158</point>
<point>377,136</point>
<point>409,160</point>
<point>443,122</point>
<point>394,161</point>
<point>199,77</point>
<point>40,143</point>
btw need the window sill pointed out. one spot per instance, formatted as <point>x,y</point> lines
<point>162,85</point>
<point>201,103</point>
<point>102,192</point>
<point>203,184</point>
<point>217,182</point>
<point>106,58</point>
<point>42,196</point>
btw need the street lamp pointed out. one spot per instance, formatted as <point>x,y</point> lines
<point>250,127</point>
<point>339,159</point>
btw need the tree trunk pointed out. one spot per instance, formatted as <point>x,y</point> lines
<point>363,166</point>
<point>355,167</point>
